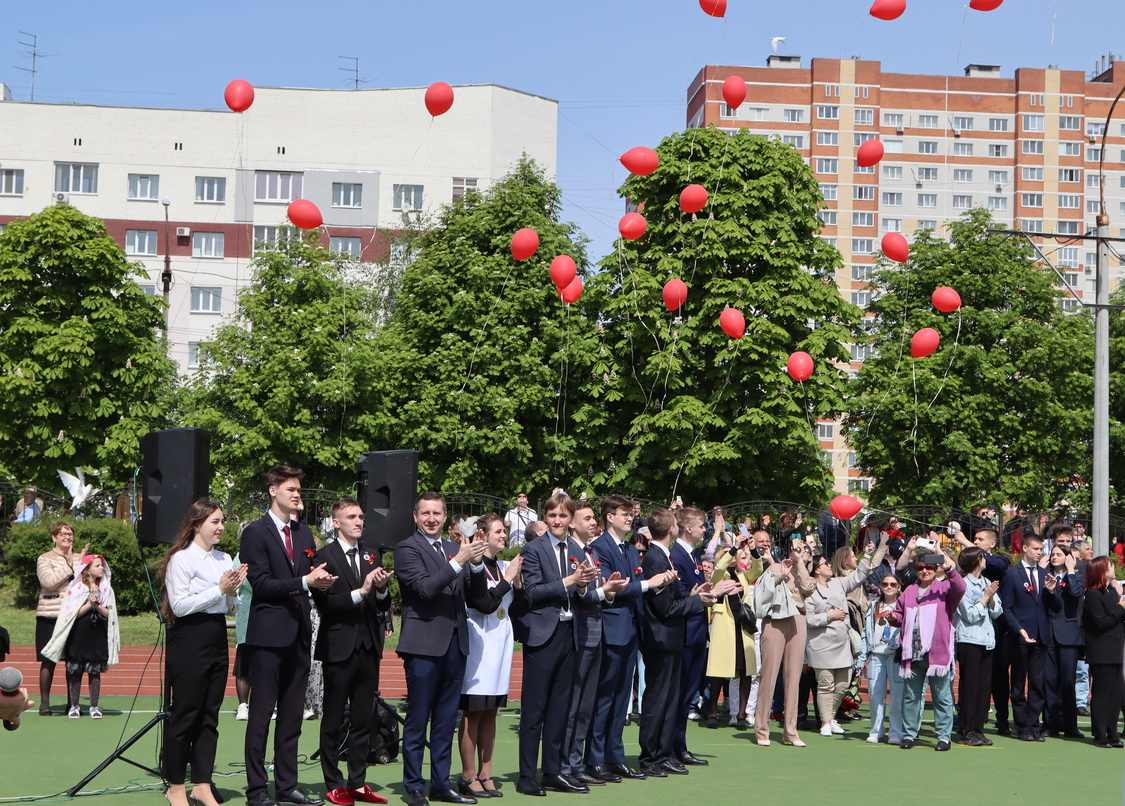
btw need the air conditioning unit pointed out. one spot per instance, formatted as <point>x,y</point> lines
<point>183,232</point>
<point>956,132</point>
<point>899,130</point>
<point>61,198</point>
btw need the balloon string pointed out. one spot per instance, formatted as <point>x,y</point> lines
<point>422,139</point>
<point>953,355</point>
<point>848,44</point>
<point>703,424</point>
<point>914,430</point>
<point>961,41</point>
<point>564,377</point>
<point>901,354</point>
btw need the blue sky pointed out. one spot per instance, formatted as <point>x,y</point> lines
<point>619,70</point>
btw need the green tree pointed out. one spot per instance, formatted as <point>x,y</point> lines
<point>85,373</point>
<point>670,404</point>
<point>1002,411</point>
<point>472,357</point>
<point>289,378</point>
<point>1117,397</point>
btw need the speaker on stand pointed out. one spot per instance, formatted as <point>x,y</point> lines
<point>388,488</point>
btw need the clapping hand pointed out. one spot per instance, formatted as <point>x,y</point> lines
<point>320,578</point>
<point>615,584</point>
<point>989,591</point>
<point>470,551</point>
<point>512,569</point>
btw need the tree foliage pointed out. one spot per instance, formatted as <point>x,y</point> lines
<point>1001,412</point>
<point>85,373</point>
<point>289,379</point>
<point>1117,397</point>
<point>669,403</point>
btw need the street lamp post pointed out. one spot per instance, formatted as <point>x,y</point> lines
<point>166,275</point>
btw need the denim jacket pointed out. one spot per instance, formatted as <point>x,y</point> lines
<point>973,621</point>
<point>877,640</point>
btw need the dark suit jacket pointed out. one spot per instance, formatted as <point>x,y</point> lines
<point>1103,619</point>
<point>546,594</point>
<point>621,618</point>
<point>433,598</point>
<point>279,611</point>
<point>1022,609</point>
<point>690,576</point>
<point>1064,610</point>
<point>588,620</point>
<point>344,626</point>
<point>666,610</point>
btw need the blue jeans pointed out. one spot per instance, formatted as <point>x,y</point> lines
<point>914,701</point>
<point>1082,685</point>
<point>882,674</point>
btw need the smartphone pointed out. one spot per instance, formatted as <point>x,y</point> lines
<point>926,543</point>
<point>933,559</point>
<point>744,530</point>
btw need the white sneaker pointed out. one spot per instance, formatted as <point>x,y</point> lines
<point>310,714</point>
<point>873,738</point>
<point>95,712</point>
<point>74,712</point>
<point>835,726</point>
<point>243,712</point>
<point>826,730</point>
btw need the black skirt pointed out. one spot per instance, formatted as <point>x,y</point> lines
<point>44,629</point>
<point>471,703</point>
<point>87,647</point>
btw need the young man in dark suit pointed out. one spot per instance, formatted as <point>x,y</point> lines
<point>350,645</point>
<point>278,552</point>
<point>688,564</point>
<point>1029,633</point>
<point>433,644</point>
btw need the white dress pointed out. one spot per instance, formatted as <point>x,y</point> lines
<point>488,668</point>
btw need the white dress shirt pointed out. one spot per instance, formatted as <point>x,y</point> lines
<point>192,582</point>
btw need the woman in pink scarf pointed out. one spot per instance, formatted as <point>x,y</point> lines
<point>925,614</point>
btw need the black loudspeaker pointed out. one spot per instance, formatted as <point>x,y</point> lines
<point>388,488</point>
<point>176,470</point>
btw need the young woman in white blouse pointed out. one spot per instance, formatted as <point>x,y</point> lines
<point>200,590</point>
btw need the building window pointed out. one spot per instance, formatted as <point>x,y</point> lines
<point>927,224</point>
<point>927,200</point>
<point>997,150</point>
<point>140,242</point>
<point>892,224</point>
<point>860,352</point>
<point>864,117</point>
<point>1095,128</point>
<point>927,146</point>
<point>795,140</point>
<point>928,122</point>
<point>1033,123</point>
<point>863,246</point>
<point>863,192</point>
<point>998,177</point>
<point>207,244</point>
<point>1067,228</point>
<point>962,202</point>
<point>861,299</point>
<point>829,191</point>
<point>1093,180</point>
<point>1031,224</point>
<point>861,273</point>
<point>144,186</point>
<point>757,113</point>
<point>831,139</point>
<point>346,246</point>
<point>1093,206</point>
<point>276,186</point>
<point>892,146</point>
<point>793,115</point>
<point>1069,304</point>
<point>832,89</point>
<point>892,172</point>
<point>962,175</point>
<point>206,299</point>
<point>826,458</point>
<point>462,185</point>
<point>892,199</point>
<point>347,194</point>
<point>407,197</point>
<point>727,111</point>
<point>828,112</point>
<point>927,174</point>
<point>827,166</point>
<point>1070,175</point>
<point>211,189</point>
<point>862,138</point>
<point>863,219</point>
<point>193,358</point>
<point>829,240</point>
<point>997,203</point>
<point>1032,199</point>
<point>148,288</point>
<point>859,169</point>
<point>892,119</point>
<point>76,177</point>
<point>1070,123</point>
<point>1093,154</point>
<point>962,149</point>
<point>827,217</point>
<point>997,124</point>
<point>1068,257</point>
<point>859,485</point>
<point>825,431</point>
<point>1070,201</point>
<point>1032,146</point>
<point>266,236</point>
<point>963,123</point>
<point>11,182</point>
<point>1031,174</point>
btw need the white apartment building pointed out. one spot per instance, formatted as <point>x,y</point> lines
<point>204,187</point>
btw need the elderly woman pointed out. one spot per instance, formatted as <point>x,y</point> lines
<point>829,651</point>
<point>56,569</point>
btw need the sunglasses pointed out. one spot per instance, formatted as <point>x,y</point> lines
<point>889,584</point>
<point>925,568</point>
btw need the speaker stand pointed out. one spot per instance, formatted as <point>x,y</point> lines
<point>119,754</point>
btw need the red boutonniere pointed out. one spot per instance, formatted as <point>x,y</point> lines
<point>573,562</point>
<point>636,569</point>
<point>369,558</point>
<point>598,563</point>
<point>1029,587</point>
<point>450,557</point>
<point>310,553</point>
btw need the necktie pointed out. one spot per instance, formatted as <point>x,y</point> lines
<point>624,549</point>
<point>562,561</point>
<point>1034,582</point>
<point>288,542</point>
<point>353,558</point>
<point>437,548</point>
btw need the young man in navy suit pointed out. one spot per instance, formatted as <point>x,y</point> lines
<point>278,552</point>
<point>350,645</point>
<point>688,564</point>
<point>1029,633</point>
<point>433,644</point>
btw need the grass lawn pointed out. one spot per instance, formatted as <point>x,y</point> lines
<point>49,755</point>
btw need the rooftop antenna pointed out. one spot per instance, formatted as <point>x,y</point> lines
<point>34,53</point>
<point>355,80</point>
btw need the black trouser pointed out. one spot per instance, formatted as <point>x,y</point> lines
<point>197,667</point>
<point>349,684</point>
<point>1107,690</point>
<point>278,677</point>
<point>975,665</point>
<point>1001,682</point>
<point>1062,679</point>
<point>1029,668</point>
<point>545,701</point>
<point>661,706</point>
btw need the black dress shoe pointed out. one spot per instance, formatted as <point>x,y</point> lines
<point>528,786</point>
<point>1116,741</point>
<point>451,796</point>
<point>942,746</point>
<point>415,798</point>
<point>1003,729</point>
<point>982,740</point>
<point>602,774</point>
<point>687,757</point>
<point>653,771</point>
<point>1104,743</point>
<point>586,779</point>
<point>466,788</point>
<point>1031,735</point>
<point>300,798</point>
<point>561,783</point>
<point>1083,711</point>
<point>907,744</point>
<point>713,722</point>
<point>261,799</point>
<point>673,767</point>
<point>625,771</point>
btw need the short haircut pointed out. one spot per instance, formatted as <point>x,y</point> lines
<point>660,522</point>
<point>533,530</point>
<point>1031,537</point>
<point>986,530</point>
<point>583,504</point>
<point>343,504</point>
<point>429,495</point>
<point>970,559</point>
<point>560,501</point>
<point>279,474</point>
<point>690,514</point>
<point>766,532</point>
<point>58,526</point>
<point>1080,545</point>
<point>1060,529</point>
<point>612,503</point>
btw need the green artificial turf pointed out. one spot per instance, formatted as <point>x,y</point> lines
<point>47,755</point>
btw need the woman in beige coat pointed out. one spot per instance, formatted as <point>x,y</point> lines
<point>55,570</point>
<point>730,653</point>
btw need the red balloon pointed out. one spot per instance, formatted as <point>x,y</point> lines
<point>716,8</point>
<point>304,214</point>
<point>869,153</point>
<point>675,294</point>
<point>632,226</point>
<point>895,247</point>
<point>439,97</point>
<point>524,243</point>
<point>888,9</point>
<point>925,341</point>
<point>733,322</point>
<point>563,271</point>
<point>800,366</point>
<point>641,160</point>
<point>734,91</point>
<point>985,5</point>
<point>572,292</point>
<point>845,507</point>
<point>693,198</point>
<point>945,299</point>
<point>239,94</point>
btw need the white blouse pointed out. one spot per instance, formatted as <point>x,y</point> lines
<point>192,582</point>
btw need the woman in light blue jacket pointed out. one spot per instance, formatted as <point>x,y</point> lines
<point>976,640</point>
<point>880,640</point>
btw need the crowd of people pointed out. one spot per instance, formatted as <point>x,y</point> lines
<point>665,614</point>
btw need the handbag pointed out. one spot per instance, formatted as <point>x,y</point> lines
<point>744,615</point>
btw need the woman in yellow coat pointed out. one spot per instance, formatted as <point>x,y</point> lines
<point>731,652</point>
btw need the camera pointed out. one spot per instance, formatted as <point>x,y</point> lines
<point>952,528</point>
